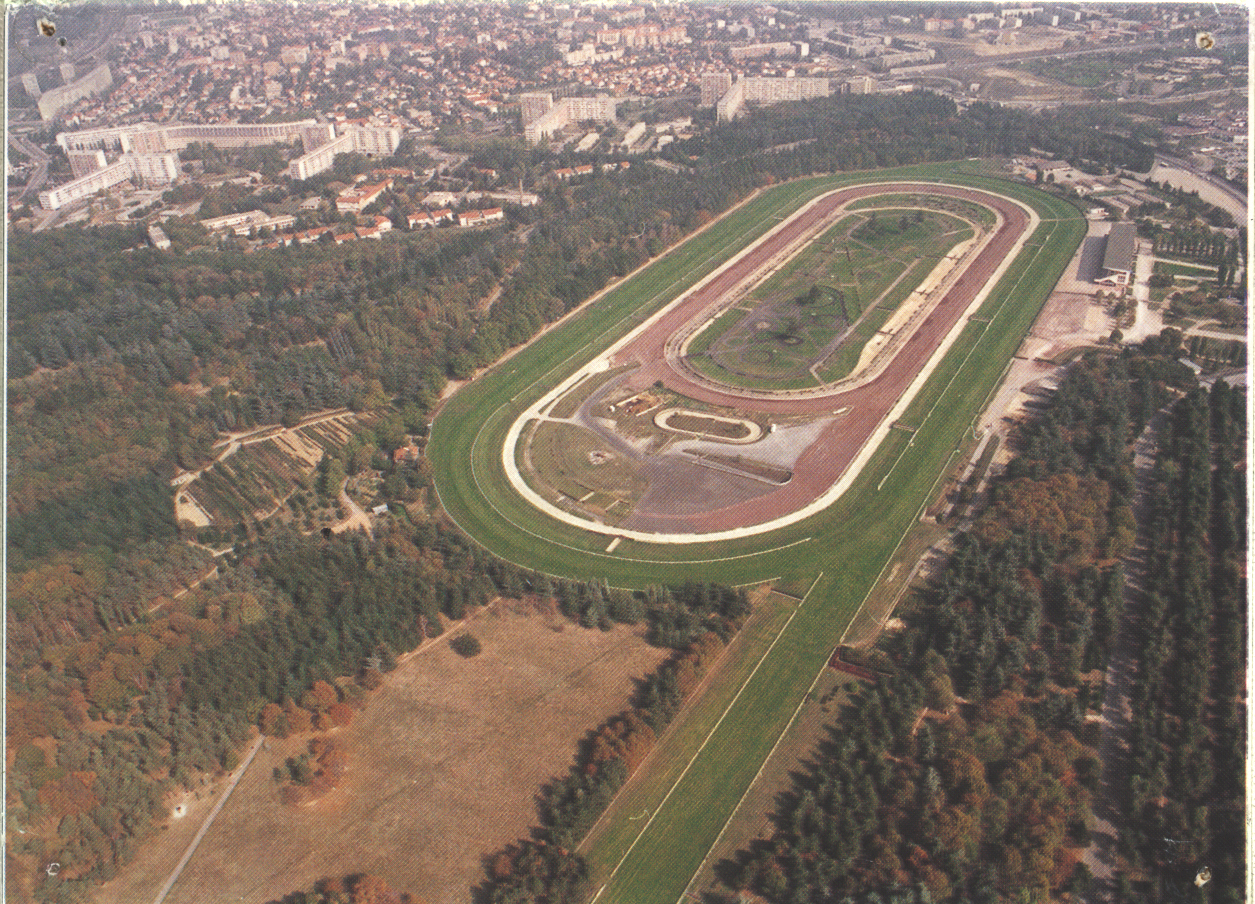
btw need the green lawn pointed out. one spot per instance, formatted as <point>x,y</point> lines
<point>1177,268</point>
<point>467,435</point>
<point>660,866</point>
<point>621,824</point>
<point>882,268</point>
<point>849,543</point>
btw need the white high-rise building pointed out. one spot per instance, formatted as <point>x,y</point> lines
<point>372,142</point>
<point>714,86</point>
<point>55,100</point>
<point>761,90</point>
<point>153,169</point>
<point>535,105</point>
<point>602,108</point>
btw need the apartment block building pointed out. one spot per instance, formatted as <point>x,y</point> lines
<point>85,186</point>
<point>83,163</point>
<point>54,100</point>
<point>566,110</point>
<point>714,86</point>
<point>763,90</point>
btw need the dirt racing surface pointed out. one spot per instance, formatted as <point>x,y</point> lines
<point>444,765</point>
<point>862,408</point>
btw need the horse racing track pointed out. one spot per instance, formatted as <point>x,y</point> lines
<point>634,476</point>
<point>611,448</point>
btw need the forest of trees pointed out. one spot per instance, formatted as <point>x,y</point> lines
<point>360,888</point>
<point>289,638</point>
<point>1185,792</point>
<point>967,774</point>
<point>867,131</point>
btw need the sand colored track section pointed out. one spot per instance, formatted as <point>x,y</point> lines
<point>881,348</point>
<point>831,464</point>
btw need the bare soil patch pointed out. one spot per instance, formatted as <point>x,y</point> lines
<point>569,459</point>
<point>444,765</point>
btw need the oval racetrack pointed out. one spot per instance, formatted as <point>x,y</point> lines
<point>829,464</point>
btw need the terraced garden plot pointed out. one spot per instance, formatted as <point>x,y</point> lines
<point>265,469</point>
<point>249,484</point>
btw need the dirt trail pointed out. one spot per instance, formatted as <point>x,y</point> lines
<point>1101,855</point>
<point>226,793</point>
<point>357,516</point>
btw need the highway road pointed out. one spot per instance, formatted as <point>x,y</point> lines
<point>40,174</point>
<point>1181,174</point>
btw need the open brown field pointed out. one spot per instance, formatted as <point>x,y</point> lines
<point>445,762</point>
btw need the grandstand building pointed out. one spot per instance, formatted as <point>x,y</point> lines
<point>1117,262</point>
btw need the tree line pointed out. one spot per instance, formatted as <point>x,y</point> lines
<point>544,869</point>
<point>845,132</point>
<point>1184,795</point>
<point>965,771</point>
<point>289,638</point>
